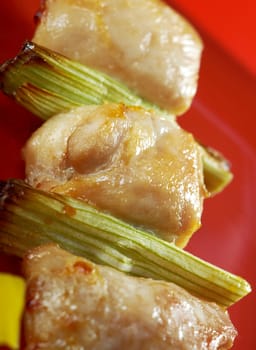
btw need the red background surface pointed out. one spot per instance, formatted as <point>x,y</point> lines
<point>231,23</point>
<point>222,115</point>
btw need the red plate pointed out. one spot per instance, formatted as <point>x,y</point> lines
<point>221,116</point>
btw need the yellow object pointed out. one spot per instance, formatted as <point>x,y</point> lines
<point>12,299</point>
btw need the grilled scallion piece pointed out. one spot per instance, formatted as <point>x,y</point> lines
<point>29,217</point>
<point>47,83</point>
<point>217,174</point>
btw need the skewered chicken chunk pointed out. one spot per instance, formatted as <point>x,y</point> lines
<point>72,303</point>
<point>143,43</point>
<point>133,163</point>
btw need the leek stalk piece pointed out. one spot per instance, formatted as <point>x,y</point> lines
<point>217,174</point>
<point>47,83</point>
<point>30,217</point>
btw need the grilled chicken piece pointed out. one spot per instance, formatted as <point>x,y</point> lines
<point>72,303</point>
<point>133,163</point>
<point>143,43</point>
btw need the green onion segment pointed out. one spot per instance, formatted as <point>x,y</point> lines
<point>30,217</point>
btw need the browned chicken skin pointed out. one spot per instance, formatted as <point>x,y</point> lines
<point>143,43</point>
<point>72,303</point>
<point>130,162</point>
